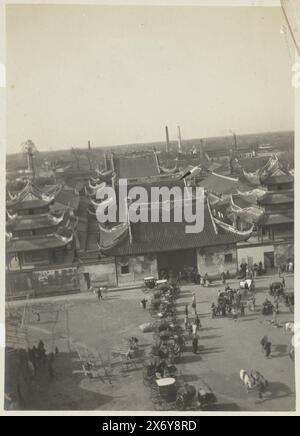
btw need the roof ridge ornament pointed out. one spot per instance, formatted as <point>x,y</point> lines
<point>212,218</point>
<point>231,229</point>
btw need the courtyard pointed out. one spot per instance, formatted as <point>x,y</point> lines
<point>81,322</point>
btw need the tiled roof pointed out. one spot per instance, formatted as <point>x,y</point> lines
<point>218,184</point>
<point>32,197</point>
<point>35,243</point>
<point>138,166</point>
<point>161,182</point>
<point>241,202</point>
<point>275,219</point>
<point>253,164</point>
<point>30,204</point>
<point>164,237</point>
<point>276,199</point>
<point>28,222</point>
<point>67,197</point>
<point>277,180</point>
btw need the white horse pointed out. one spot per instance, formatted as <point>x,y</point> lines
<point>289,328</point>
<point>246,379</point>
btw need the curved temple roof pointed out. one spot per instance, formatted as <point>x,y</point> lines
<point>142,238</point>
<point>27,222</point>
<point>33,197</point>
<point>17,245</point>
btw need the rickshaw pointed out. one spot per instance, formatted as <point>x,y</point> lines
<point>247,284</point>
<point>150,283</point>
<point>172,394</point>
<point>267,308</point>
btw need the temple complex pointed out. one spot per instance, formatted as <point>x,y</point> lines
<point>55,243</point>
<point>127,252</point>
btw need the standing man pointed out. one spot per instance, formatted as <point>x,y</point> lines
<point>198,322</point>
<point>194,304</point>
<point>254,303</point>
<point>186,322</point>
<point>195,328</point>
<point>144,303</point>
<point>275,316</point>
<point>268,349</point>
<point>195,344</point>
<point>99,293</point>
<point>223,278</point>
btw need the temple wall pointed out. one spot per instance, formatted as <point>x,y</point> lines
<point>284,253</point>
<point>42,282</point>
<point>139,267</point>
<point>103,274</point>
<point>215,260</point>
<point>253,254</point>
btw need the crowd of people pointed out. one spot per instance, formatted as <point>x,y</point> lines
<point>287,267</point>
<point>252,271</point>
<point>184,277</point>
<point>38,359</point>
<point>229,303</point>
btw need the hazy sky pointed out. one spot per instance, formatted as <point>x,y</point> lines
<point>118,75</point>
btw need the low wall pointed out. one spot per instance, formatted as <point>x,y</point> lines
<point>284,253</point>
<point>139,268</point>
<point>214,261</point>
<point>103,274</point>
<point>255,254</point>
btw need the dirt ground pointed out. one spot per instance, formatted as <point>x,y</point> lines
<point>226,347</point>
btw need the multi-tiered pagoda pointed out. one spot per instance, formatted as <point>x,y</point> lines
<point>40,242</point>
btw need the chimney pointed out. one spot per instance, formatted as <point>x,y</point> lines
<point>105,162</point>
<point>89,145</point>
<point>167,140</point>
<point>179,140</point>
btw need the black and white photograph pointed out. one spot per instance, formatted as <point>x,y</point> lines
<point>149,192</point>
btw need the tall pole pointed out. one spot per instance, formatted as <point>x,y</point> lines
<point>179,140</point>
<point>105,162</point>
<point>167,140</point>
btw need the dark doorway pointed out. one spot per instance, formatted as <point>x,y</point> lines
<point>269,260</point>
<point>87,279</point>
<point>177,261</point>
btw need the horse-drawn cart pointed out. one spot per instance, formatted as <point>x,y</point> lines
<point>172,393</point>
